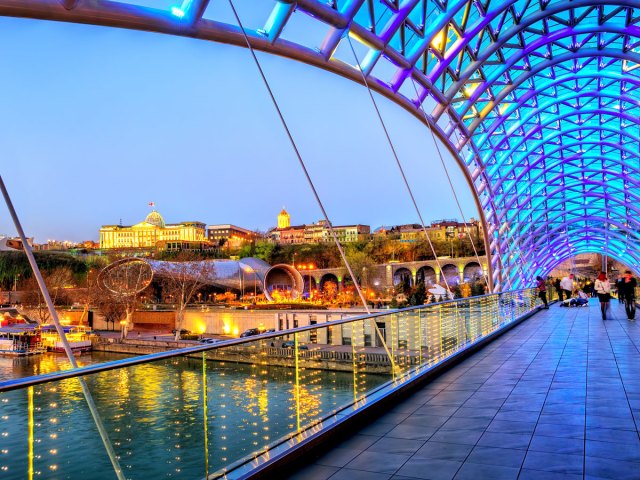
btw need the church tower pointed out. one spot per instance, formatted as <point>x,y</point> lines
<point>284,220</point>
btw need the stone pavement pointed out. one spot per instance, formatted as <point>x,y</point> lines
<point>557,397</point>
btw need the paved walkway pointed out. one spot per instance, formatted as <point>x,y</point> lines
<point>558,397</point>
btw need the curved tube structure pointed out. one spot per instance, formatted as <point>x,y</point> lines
<point>130,276</point>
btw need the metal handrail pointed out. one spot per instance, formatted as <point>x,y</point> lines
<point>102,367</point>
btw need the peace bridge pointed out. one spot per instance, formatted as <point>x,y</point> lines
<point>537,102</point>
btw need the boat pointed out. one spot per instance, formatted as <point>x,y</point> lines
<point>20,340</point>
<point>78,337</point>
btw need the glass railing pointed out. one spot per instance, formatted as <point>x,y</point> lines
<point>220,410</point>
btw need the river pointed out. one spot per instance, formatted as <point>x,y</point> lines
<point>155,417</point>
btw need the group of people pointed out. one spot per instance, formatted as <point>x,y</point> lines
<point>625,287</point>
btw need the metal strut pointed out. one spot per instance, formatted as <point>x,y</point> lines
<point>67,348</point>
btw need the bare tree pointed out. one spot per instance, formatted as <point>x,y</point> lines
<point>181,280</point>
<point>110,308</point>
<point>90,294</point>
<point>57,281</point>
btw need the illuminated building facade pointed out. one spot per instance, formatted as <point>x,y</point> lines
<point>438,230</point>
<point>230,236</point>
<point>317,232</point>
<point>151,233</point>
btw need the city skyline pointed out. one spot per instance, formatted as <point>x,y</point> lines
<point>103,121</point>
<point>274,226</point>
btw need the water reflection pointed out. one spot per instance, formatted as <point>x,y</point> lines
<point>155,417</point>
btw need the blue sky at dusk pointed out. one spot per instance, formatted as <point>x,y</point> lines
<point>98,122</point>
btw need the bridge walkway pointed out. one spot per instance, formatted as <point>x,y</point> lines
<point>557,397</point>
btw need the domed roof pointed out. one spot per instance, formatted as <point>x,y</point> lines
<point>154,218</point>
<point>284,212</point>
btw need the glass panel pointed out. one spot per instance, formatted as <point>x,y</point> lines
<point>208,412</point>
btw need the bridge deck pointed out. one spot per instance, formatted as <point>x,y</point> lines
<point>556,397</point>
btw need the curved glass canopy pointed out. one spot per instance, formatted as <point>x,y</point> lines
<point>538,100</point>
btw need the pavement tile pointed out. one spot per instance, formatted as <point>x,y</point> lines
<point>598,421</point>
<point>571,446</point>
<point>564,431</point>
<point>358,442</point>
<point>507,426</point>
<point>443,451</point>
<point>505,440</point>
<point>378,462</point>
<point>438,410</point>
<point>427,468</point>
<point>466,412</point>
<point>411,432</point>
<point>352,474</point>
<point>562,418</point>
<point>464,437</point>
<point>517,416</point>
<point>428,420</point>
<point>472,471</point>
<point>554,462</point>
<point>465,423</point>
<point>613,469</point>
<point>506,457</point>
<point>400,446</point>
<point>338,457</point>
<point>614,451</point>
<point>526,474</point>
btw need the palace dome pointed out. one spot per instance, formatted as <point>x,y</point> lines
<point>154,218</point>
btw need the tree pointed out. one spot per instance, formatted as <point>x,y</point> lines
<point>181,280</point>
<point>329,291</point>
<point>56,281</point>
<point>112,310</point>
<point>90,294</point>
<point>419,294</point>
<point>361,263</point>
<point>265,251</point>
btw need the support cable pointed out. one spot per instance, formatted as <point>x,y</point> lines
<point>63,338</point>
<point>397,159</point>
<point>299,156</point>
<point>453,190</point>
<point>311,185</point>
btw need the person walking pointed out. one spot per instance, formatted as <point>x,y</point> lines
<point>619,288</point>
<point>603,289</point>
<point>627,291</point>
<point>566,284</point>
<point>542,291</point>
<point>556,285</point>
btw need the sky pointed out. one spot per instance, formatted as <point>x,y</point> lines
<point>98,122</point>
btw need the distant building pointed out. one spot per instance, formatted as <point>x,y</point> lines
<point>438,230</point>
<point>449,229</point>
<point>230,236</point>
<point>318,232</point>
<point>284,220</point>
<point>152,232</point>
<point>9,244</point>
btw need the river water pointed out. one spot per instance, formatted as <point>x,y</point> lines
<point>154,415</point>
